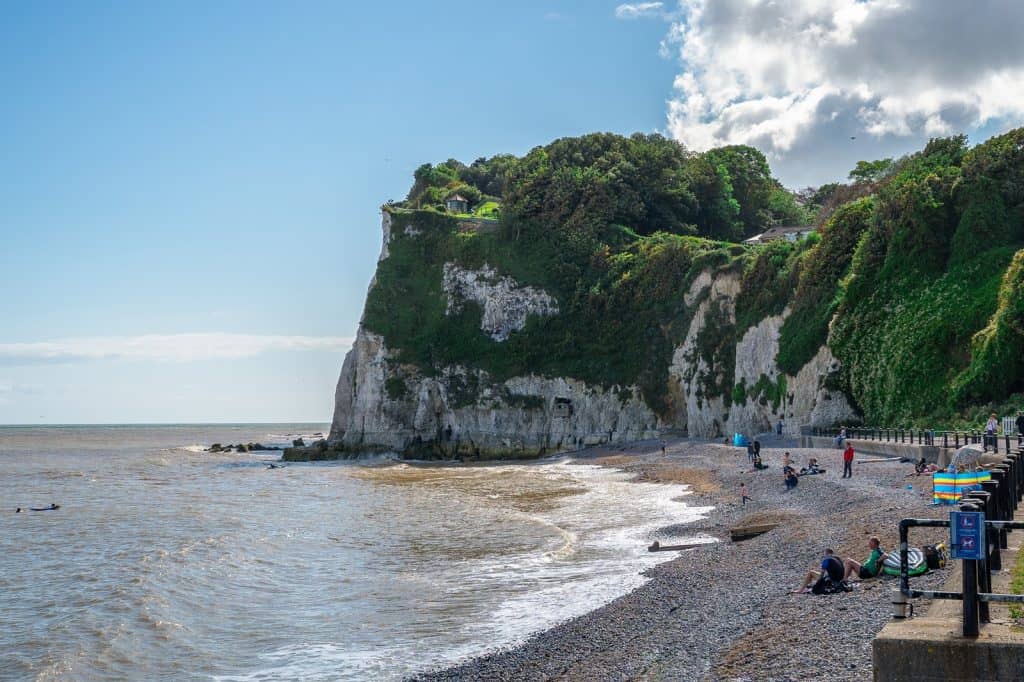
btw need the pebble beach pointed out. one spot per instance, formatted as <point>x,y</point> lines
<point>724,611</point>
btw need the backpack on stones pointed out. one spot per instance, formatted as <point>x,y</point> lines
<point>935,556</point>
<point>825,585</point>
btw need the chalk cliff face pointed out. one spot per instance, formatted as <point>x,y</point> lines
<point>385,405</point>
<point>505,303</point>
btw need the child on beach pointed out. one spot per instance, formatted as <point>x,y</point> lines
<point>743,494</point>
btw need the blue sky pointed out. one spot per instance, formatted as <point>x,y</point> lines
<point>218,168</point>
<point>189,191</point>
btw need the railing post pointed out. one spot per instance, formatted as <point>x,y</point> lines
<point>970,589</point>
<point>1015,478</point>
<point>995,560</point>
<point>903,591</point>
<point>1019,483</point>
<point>980,501</point>
<point>1002,477</point>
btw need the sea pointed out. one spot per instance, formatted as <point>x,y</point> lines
<point>166,562</point>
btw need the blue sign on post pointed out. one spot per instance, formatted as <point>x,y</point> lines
<point>967,535</point>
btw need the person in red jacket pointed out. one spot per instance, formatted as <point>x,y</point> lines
<point>848,462</point>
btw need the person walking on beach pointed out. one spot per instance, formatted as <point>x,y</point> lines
<point>757,449</point>
<point>778,428</point>
<point>848,462</point>
<point>743,494</point>
<point>662,448</point>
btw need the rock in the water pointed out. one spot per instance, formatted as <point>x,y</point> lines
<point>299,443</point>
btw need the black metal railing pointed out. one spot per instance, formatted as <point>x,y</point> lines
<point>998,500</point>
<point>946,439</point>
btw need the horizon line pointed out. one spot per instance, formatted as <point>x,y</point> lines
<point>224,423</point>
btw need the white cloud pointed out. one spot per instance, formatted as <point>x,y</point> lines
<point>638,9</point>
<point>8,388</point>
<point>788,74</point>
<point>164,347</point>
<point>10,391</point>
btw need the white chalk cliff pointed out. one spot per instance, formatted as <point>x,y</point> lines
<point>383,405</point>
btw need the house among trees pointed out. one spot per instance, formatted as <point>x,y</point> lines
<point>792,233</point>
<point>457,204</point>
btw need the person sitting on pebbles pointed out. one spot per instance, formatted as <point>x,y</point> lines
<point>791,478</point>
<point>830,566</point>
<point>811,468</point>
<point>871,567</point>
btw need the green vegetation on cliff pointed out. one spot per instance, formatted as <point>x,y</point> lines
<point>912,278</point>
<point>618,327</point>
<point>925,279</point>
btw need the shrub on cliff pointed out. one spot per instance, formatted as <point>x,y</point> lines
<point>923,281</point>
<point>814,302</point>
<point>997,366</point>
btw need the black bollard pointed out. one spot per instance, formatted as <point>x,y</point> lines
<point>970,584</point>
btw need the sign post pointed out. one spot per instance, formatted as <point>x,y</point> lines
<point>967,535</point>
<point>967,542</point>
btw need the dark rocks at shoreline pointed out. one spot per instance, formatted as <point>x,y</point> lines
<point>242,447</point>
<point>319,451</point>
